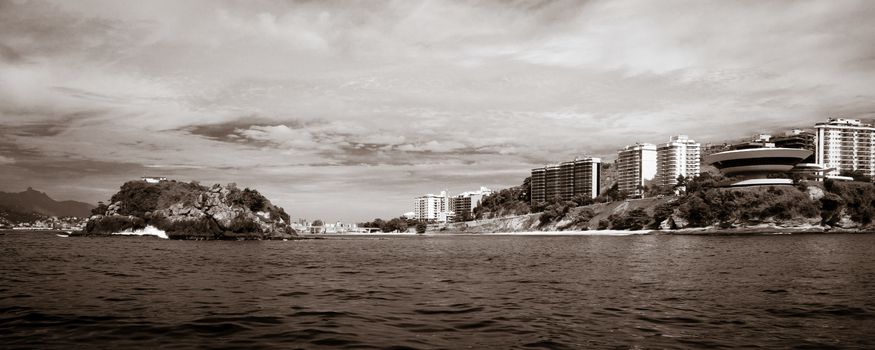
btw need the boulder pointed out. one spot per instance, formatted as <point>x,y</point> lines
<point>678,222</point>
<point>815,193</point>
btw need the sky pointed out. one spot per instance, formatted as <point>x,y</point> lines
<point>347,110</point>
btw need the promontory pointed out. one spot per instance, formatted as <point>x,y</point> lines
<point>191,211</point>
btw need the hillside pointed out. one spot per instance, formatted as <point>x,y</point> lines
<point>33,201</point>
<point>818,206</point>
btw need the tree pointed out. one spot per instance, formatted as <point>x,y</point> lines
<point>857,175</point>
<point>635,219</point>
<point>582,199</point>
<point>613,194</point>
<point>661,213</point>
<point>100,209</point>
<point>681,186</point>
<point>703,182</point>
<point>421,227</point>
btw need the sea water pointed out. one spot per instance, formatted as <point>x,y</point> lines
<point>644,291</point>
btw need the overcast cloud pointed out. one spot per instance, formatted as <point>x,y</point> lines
<point>347,110</point>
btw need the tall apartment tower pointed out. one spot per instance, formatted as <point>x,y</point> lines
<point>566,180</point>
<point>679,156</point>
<point>636,165</point>
<point>432,207</point>
<point>845,145</point>
<point>537,185</point>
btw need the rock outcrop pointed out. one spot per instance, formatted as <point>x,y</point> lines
<point>192,211</point>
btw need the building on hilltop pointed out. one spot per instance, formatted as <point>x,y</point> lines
<point>153,179</point>
<point>467,201</point>
<point>636,167</point>
<point>757,141</point>
<point>566,180</point>
<point>679,156</point>
<point>798,138</point>
<point>845,145</point>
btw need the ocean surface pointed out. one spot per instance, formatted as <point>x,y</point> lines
<point>552,292</point>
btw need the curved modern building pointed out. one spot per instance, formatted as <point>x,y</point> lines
<point>753,166</point>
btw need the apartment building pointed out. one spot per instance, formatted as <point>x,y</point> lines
<point>636,167</point>
<point>566,180</point>
<point>845,145</point>
<point>431,207</point>
<point>798,138</point>
<point>467,201</point>
<point>679,156</point>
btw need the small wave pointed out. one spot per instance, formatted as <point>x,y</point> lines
<point>148,231</point>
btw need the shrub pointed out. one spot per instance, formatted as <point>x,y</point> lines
<point>708,206</point>
<point>554,212</point>
<point>246,198</point>
<point>662,212</point>
<point>137,197</point>
<point>100,209</point>
<point>509,201</point>
<point>857,199</point>
<point>635,219</point>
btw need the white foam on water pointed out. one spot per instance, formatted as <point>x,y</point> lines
<point>148,231</point>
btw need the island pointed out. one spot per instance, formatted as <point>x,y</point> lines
<point>190,211</point>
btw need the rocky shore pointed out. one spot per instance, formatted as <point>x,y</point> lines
<point>191,211</point>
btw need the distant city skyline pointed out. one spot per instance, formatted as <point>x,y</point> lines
<point>347,111</point>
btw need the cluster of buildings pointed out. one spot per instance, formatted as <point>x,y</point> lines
<point>320,227</point>
<point>446,208</point>
<point>47,223</point>
<point>836,146</point>
<point>636,166</point>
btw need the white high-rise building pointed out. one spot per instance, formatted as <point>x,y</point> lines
<point>636,166</point>
<point>845,145</point>
<point>679,156</point>
<point>432,207</point>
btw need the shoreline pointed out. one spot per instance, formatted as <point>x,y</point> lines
<point>702,231</point>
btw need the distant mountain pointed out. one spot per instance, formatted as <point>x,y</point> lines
<point>33,201</point>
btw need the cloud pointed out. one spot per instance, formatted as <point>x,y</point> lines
<point>4,160</point>
<point>357,105</point>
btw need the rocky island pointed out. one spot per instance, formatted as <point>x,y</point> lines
<point>191,211</point>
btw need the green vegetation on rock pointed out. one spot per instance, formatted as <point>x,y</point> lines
<point>191,211</point>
